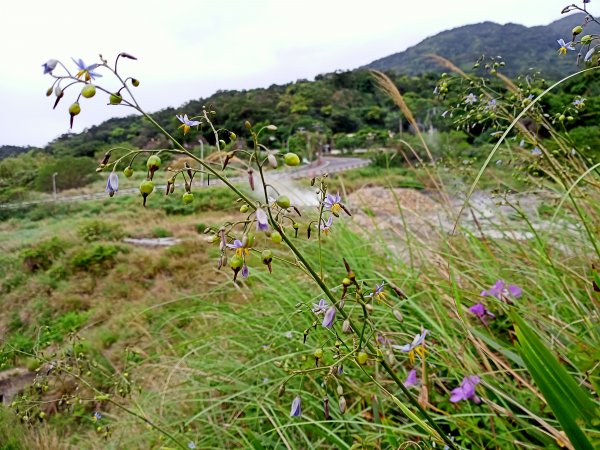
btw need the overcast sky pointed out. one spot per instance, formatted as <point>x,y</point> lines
<point>189,49</point>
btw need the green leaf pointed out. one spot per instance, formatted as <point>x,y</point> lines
<point>571,404</point>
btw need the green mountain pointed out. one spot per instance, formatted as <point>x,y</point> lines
<point>521,47</point>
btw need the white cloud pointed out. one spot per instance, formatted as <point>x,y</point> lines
<point>188,49</point>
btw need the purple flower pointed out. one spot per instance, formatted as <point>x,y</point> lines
<point>296,410</point>
<point>262,222</point>
<point>191,445</point>
<point>411,379</point>
<point>326,226</point>
<point>86,71</point>
<point>481,311</point>
<point>589,54</point>
<point>470,99</point>
<point>239,248</point>
<point>381,339</point>
<point>49,66</point>
<point>320,308</point>
<point>579,103</point>
<point>491,105</point>
<point>417,341</point>
<point>564,46</point>
<point>97,416</point>
<point>333,203</point>
<point>329,317</point>
<point>501,289</point>
<point>112,184</point>
<point>466,390</point>
<point>186,123</point>
<point>536,151</point>
<point>245,270</point>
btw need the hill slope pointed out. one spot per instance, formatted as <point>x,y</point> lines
<point>520,46</point>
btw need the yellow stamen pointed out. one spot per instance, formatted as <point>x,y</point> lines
<point>411,356</point>
<point>420,350</point>
<point>336,208</point>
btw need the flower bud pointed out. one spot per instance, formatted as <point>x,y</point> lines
<point>115,99</point>
<point>346,328</point>
<point>283,201</point>
<point>398,315</point>
<point>247,124</point>
<point>58,91</point>
<point>362,358</point>
<point>342,404</point>
<point>88,91</point>
<point>222,143</point>
<point>577,30</point>
<point>272,160</point>
<point>135,82</point>
<point>128,171</point>
<point>187,198</point>
<point>291,159</point>
<point>271,127</point>
<point>49,91</point>
<point>318,353</point>
<point>232,136</point>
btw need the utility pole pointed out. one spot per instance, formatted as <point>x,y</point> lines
<point>54,185</point>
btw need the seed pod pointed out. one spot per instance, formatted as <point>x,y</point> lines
<point>346,328</point>
<point>251,178</point>
<point>272,160</point>
<point>326,407</point>
<point>342,404</point>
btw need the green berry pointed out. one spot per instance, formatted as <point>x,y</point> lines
<point>146,187</point>
<point>153,163</point>
<point>115,99</point>
<point>276,237</point>
<point>236,262</point>
<point>244,209</point>
<point>577,30</point>
<point>74,109</point>
<point>88,91</point>
<point>267,256</point>
<point>128,171</point>
<point>362,358</point>
<point>586,40</point>
<point>187,198</point>
<point>318,353</point>
<point>291,159</point>
<point>283,201</point>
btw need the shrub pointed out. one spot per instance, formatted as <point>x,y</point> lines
<point>97,230</point>
<point>95,258</point>
<point>43,255</point>
<point>72,173</point>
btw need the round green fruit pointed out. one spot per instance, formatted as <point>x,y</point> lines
<point>88,91</point>
<point>74,109</point>
<point>146,187</point>
<point>283,201</point>
<point>291,159</point>
<point>128,171</point>
<point>244,209</point>
<point>153,162</point>
<point>362,358</point>
<point>115,99</point>
<point>187,198</point>
<point>236,262</point>
<point>276,237</point>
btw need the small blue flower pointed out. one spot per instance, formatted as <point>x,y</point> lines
<point>564,46</point>
<point>326,226</point>
<point>579,103</point>
<point>333,203</point>
<point>112,184</point>
<point>378,292</point>
<point>49,66</point>
<point>411,379</point>
<point>417,341</point>
<point>186,123</point>
<point>86,71</point>
<point>329,317</point>
<point>491,105</point>
<point>320,308</point>
<point>296,410</point>
<point>471,99</point>
<point>245,270</point>
<point>97,416</point>
<point>191,445</point>
<point>536,151</point>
